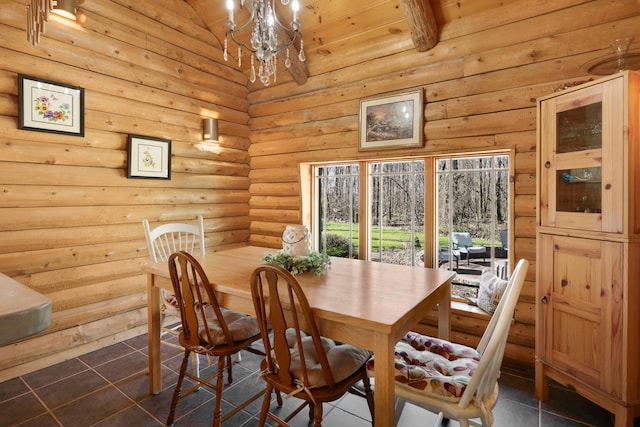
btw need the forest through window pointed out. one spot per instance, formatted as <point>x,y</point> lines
<point>471,195</point>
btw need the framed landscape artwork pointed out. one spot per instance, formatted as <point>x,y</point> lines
<point>391,121</point>
<point>47,106</point>
<point>149,157</point>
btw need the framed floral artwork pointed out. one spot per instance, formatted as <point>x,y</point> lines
<point>47,106</point>
<point>149,157</point>
<point>391,121</point>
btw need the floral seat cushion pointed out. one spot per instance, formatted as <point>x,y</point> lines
<point>433,366</point>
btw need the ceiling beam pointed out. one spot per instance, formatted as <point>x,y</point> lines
<point>298,69</point>
<point>422,23</point>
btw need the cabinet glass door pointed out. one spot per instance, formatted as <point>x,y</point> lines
<point>581,159</point>
<point>579,129</point>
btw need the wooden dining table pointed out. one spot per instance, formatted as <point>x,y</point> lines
<point>367,304</point>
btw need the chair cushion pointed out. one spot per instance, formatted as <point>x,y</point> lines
<point>433,366</point>
<point>240,325</point>
<point>490,291</point>
<point>476,249</point>
<point>344,359</point>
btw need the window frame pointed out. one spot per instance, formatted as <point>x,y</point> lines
<point>309,198</point>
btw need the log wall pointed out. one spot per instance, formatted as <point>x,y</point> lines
<point>480,83</point>
<point>70,220</point>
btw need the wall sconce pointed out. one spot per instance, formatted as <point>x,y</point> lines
<point>210,130</point>
<point>66,8</point>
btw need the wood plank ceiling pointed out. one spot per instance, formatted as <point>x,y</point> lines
<point>332,28</point>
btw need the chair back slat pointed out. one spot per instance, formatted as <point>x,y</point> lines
<point>195,294</point>
<point>494,340</point>
<point>282,306</point>
<point>278,324</point>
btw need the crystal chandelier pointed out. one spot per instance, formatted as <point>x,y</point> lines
<point>265,41</point>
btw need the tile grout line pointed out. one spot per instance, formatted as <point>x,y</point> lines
<point>110,383</point>
<point>45,406</point>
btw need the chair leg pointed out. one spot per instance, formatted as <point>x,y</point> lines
<point>195,364</point>
<point>229,368</point>
<point>217,413</point>
<point>176,392</point>
<point>265,405</point>
<point>195,361</point>
<point>317,414</point>
<point>369,395</point>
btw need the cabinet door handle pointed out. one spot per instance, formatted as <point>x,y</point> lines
<point>544,299</point>
<point>547,165</point>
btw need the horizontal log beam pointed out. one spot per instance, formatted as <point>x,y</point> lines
<point>422,23</point>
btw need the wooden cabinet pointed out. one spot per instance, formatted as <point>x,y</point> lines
<point>580,315</point>
<point>588,243</point>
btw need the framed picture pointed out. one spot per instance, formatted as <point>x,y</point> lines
<point>149,157</point>
<point>47,106</point>
<point>391,121</point>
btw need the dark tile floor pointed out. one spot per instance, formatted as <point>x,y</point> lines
<point>109,387</point>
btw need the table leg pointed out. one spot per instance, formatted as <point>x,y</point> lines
<point>153,335</point>
<point>384,395</point>
<point>444,324</point>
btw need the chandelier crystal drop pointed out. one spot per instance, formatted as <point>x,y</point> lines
<point>265,45</point>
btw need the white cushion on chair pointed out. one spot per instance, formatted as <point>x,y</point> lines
<point>433,366</point>
<point>344,359</point>
<point>240,325</point>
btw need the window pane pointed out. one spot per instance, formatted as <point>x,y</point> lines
<point>337,210</point>
<point>473,198</point>
<point>397,212</point>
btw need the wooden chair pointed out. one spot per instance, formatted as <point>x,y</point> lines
<point>462,242</point>
<point>453,380</point>
<point>166,239</point>
<point>162,241</point>
<point>323,372</point>
<point>207,329</point>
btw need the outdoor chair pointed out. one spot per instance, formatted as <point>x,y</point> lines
<point>162,241</point>
<point>504,239</point>
<point>323,371</point>
<point>446,255</point>
<point>462,242</point>
<point>453,380</point>
<point>207,329</point>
